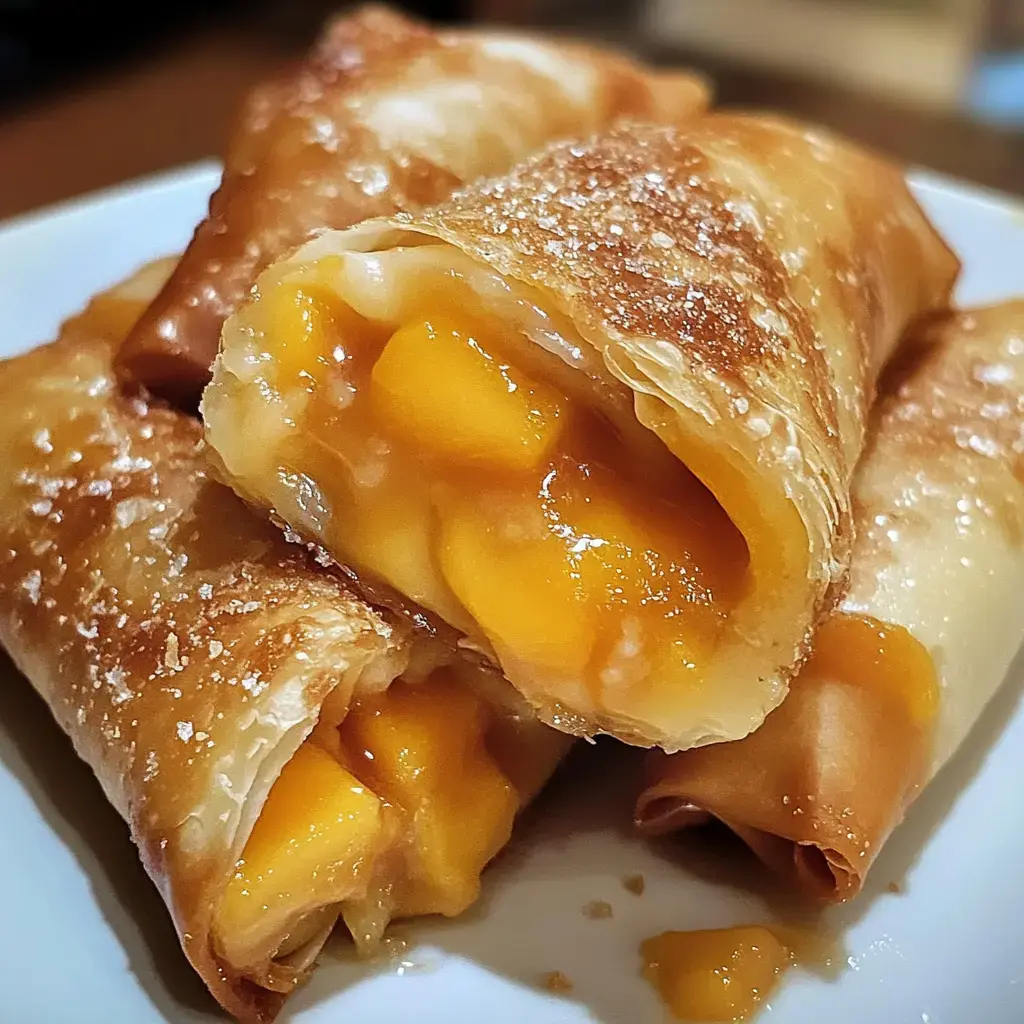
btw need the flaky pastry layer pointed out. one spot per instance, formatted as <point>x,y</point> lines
<point>716,301</point>
<point>921,641</point>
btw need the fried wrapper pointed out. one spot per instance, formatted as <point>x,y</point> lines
<point>918,646</point>
<point>695,319</point>
<point>386,114</point>
<point>228,692</point>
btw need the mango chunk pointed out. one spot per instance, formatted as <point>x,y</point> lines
<point>576,579</point>
<point>393,537</point>
<point>715,975</point>
<point>521,584</point>
<point>423,748</point>
<point>888,659</point>
<point>659,589</point>
<point>440,387</point>
<point>310,847</point>
<point>303,325</point>
<point>639,554</point>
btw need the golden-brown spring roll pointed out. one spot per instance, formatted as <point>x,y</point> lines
<point>601,414</point>
<point>386,114</point>
<point>918,646</point>
<point>282,752</point>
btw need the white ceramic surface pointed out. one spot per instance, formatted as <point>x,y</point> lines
<point>84,937</point>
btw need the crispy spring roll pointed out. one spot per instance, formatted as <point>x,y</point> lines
<point>282,752</point>
<point>918,646</point>
<point>386,114</point>
<point>599,415</point>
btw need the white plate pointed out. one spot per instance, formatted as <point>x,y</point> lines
<point>84,936</point>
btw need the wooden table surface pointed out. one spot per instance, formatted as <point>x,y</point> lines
<point>177,106</point>
<point>169,109</point>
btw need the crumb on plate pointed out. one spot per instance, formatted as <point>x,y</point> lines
<point>634,884</point>
<point>556,982</point>
<point>597,909</point>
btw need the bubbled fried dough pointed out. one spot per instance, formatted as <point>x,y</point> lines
<point>385,114</point>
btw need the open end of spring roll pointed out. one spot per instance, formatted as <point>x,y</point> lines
<point>921,642</point>
<point>283,753</point>
<point>386,114</point>
<point>599,415</point>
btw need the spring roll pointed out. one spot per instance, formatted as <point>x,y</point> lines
<point>599,415</point>
<point>386,114</point>
<point>921,642</point>
<point>283,753</point>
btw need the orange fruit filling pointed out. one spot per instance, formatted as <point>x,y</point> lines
<point>496,501</point>
<point>420,754</point>
<point>865,652</point>
<point>715,975</point>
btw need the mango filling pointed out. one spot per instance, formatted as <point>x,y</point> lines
<point>410,797</point>
<point>492,497</point>
<point>720,974</point>
<point>862,651</point>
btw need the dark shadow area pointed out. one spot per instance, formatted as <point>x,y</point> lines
<point>51,46</point>
<point>47,46</point>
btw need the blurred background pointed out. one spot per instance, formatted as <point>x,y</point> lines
<point>95,93</point>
